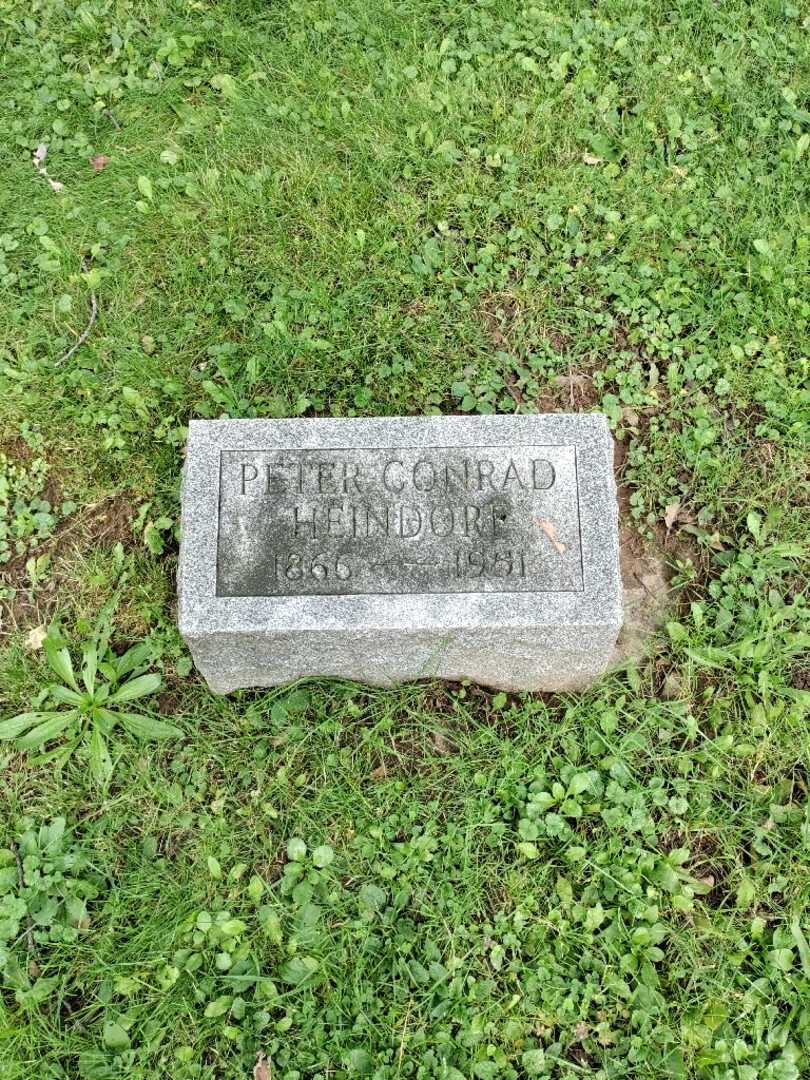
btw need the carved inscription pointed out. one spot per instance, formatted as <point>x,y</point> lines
<point>410,520</point>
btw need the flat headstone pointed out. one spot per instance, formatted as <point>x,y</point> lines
<point>391,549</point>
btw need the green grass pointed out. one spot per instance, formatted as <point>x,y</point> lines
<point>354,209</point>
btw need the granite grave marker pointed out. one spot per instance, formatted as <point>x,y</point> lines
<point>390,549</point>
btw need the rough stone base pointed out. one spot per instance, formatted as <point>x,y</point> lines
<point>512,660</point>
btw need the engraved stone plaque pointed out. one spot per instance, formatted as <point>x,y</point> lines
<point>388,549</point>
<point>407,520</point>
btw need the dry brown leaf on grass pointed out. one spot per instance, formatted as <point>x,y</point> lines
<point>671,514</point>
<point>550,530</point>
<point>261,1070</point>
<point>99,162</point>
<point>442,745</point>
<point>676,514</point>
<point>35,638</point>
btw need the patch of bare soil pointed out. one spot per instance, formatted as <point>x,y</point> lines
<point>504,320</point>
<point>500,313</point>
<point>646,576</point>
<point>111,521</point>
<point>706,863</point>
<point>16,449</point>
<point>646,596</point>
<point>22,607</point>
<point>98,524</point>
<point>572,392</point>
<point>170,702</point>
